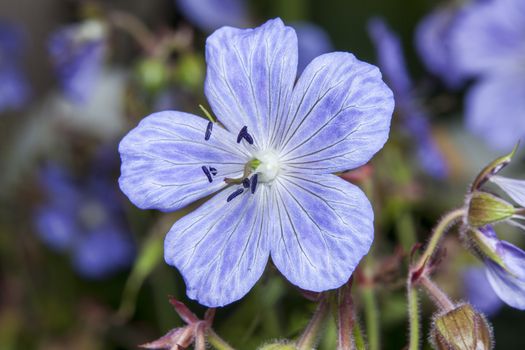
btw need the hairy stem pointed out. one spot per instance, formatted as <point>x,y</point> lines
<point>217,342</point>
<point>358,337</point>
<point>345,318</point>
<point>436,293</point>
<point>371,316</point>
<point>441,228</point>
<point>413,317</point>
<point>309,337</point>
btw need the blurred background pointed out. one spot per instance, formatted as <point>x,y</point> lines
<point>82,268</point>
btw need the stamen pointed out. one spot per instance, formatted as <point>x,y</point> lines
<point>248,138</point>
<point>243,131</point>
<point>235,194</point>
<point>207,172</point>
<point>254,183</point>
<point>208,131</point>
<point>246,183</point>
<point>213,171</point>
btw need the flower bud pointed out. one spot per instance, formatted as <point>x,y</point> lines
<point>485,208</point>
<point>493,168</point>
<point>461,329</point>
<point>282,345</point>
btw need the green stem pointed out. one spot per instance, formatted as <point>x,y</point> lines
<point>371,316</point>
<point>441,228</point>
<point>359,341</point>
<point>345,319</point>
<point>413,316</point>
<point>440,298</point>
<point>217,342</point>
<point>309,337</point>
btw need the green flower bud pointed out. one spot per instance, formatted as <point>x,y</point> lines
<point>461,329</point>
<point>282,345</point>
<point>152,74</point>
<point>190,71</point>
<point>485,208</point>
<point>493,168</point>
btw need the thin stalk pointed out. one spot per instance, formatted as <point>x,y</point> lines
<point>441,228</point>
<point>359,341</point>
<point>216,341</point>
<point>413,317</point>
<point>309,337</point>
<point>441,299</point>
<point>134,27</point>
<point>345,319</point>
<point>371,316</point>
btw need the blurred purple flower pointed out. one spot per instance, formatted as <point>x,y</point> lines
<point>208,15</point>
<point>488,43</point>
<point>313,41</point>
<point>14,89</point>
<point>433,43</point>
<point>282,139</point>
<point>479,292</point>
<point>415,121</point>
<point>77,53</point>
<point>84,220</point>
<point>506,272</point>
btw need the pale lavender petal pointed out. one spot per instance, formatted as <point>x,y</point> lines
<point>209,15</point>
<point>479,292</point>
<point>313,41</point>
<point>514,188</point>
<point>339,116</point>
<point>495,109</point>
<point>509,283</point>
<point>433,43</point>
<point>222,248</point>
<point>162,160</point>
<point>490,36</point>
<point>322,228</point>
<point>250,77</point>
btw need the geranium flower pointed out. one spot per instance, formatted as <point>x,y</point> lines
<point>271,159</point>
<point>479,292</point>
<point>415,120</point>
<point>77,53</point>
<point>488,44</point>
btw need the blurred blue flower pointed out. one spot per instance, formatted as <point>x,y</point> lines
<point>433,43</point>
<point>313,41</point>
<point>14,89</point>
<point>77,53</point>
<point>209,15</point>
<point>415,121</point>
<point>479,292</point>
<point>273,160</point>
<point>505,270</point>
<point>84,220</point>
<point>488,43</point>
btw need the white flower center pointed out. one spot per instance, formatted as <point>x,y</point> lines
<point>270,165</point>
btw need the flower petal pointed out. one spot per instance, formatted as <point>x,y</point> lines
<point>339,116</point>
<point>490,35</point>
<point>250,76</point>
<point>495,109</point>
<point>323,226</point>
<point>162,160</point>
<point>222,248</point>
<point>514,188</point>
<point>313,41</point>
<point>479,291</point>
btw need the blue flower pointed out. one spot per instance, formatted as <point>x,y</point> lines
<point>505,267</point>
<point>488,43</point>
<point>77,52</point>
<point>270,159</point>
<point>433,43</point>
<point>312,40</point>
<point>209,15</point>
<point>479,292</point>
<point>415,121</point>
<point>14,89</point>
<point>84,221</point>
